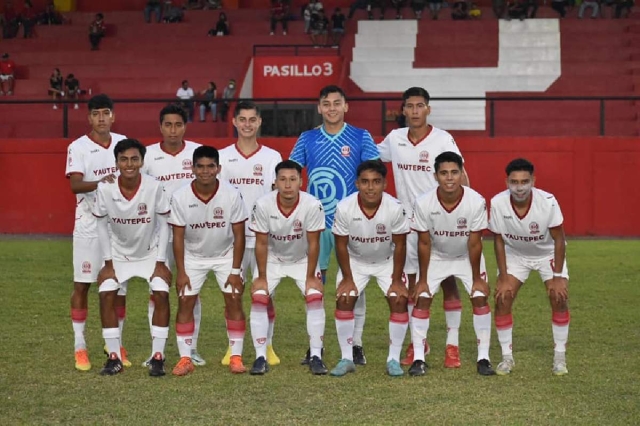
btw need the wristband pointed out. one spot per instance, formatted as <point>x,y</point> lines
<point>557,275</point>
<point>236,271</point>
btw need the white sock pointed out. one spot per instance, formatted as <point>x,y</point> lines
<point>359,313</point>
<point>112,340</point>
<point>184,334</point>
<point>482,326</point>
<point>398,323</point>
<point>78,321</point>
<point>259,323</point>
<point>197,317</point>
<point>504,326</point>
<point>159,337</point>
<point>271,313</point>
<point>235,333</point>
<point>315,322</point>
<point>560,328</point>
<point>419,331</point>
<point>453,315</point>
<point>150,310</point>
<point>345,324</point>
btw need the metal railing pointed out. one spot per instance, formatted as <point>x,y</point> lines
<point>298,49</point>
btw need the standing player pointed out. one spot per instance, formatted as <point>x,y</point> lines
<point>331,155</point>
<point>208,219</point>
<point>371,230</point>
<point>287,224</point>
<point>251,168</point>
<point>169,162</point>
<point>412,152</point>
<point>449,220</point>
<point>90,161</point>
<point>138,208</point>
<point>527,223</point>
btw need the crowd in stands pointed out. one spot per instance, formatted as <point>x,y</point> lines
<point>60,88</point>
<point>207,99</point>
<point>12,19</point>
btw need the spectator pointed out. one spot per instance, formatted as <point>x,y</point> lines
<point>55,86</point>
<point>185,94</point>
<point>376,4</point>
<point>194,4</point>
<point>153,6</point>
<point>398,5</point>
<point>474,11</point>
<point>228,94</point>
<point>337,26</point>
<point>97,30</point>
<point>435,6</point>
<point>222,26</point>
<point>278,14</point>
<point>516,10</point>
<point>593,4</point>
<point>306,16</point>
<point>72,88</point>
<point>357,4</point>
<point>212,4</point>
<point>50,16</point>
<point>172,14</point>
<point>418,7</point>
<point>559,6</point>
<point>530,8</point>
<point>7,71</point>
<point>459,10</point>
<point>11,21</point>
<point>28,18</point>
<point>319,27</point>
<point>209,102</point>
<point>499,7</point>
<point>623,7</point>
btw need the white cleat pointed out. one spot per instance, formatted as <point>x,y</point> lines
<point>197,359</point>
<point>505,367</point>
<point>560,368</point>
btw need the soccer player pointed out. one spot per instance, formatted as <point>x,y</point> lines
<point>331,154</point>
<point>169,162</point>
<point>137,207</point>
<point>527,223</point>
<point>449,220</point>
<point>370,229</point>
<point>412,152</point>
<point>251,168</point>
<point>89,162</point>
<point>208,219</point>
<point>287,224</point>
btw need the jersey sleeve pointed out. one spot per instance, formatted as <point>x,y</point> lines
<point>299,151</point>
<point>239,211</point>
<point>479,219</point>
<point>315,218</point>
<point>421,222</point>
<point>556,218</point>
<point>75,162</point>
<point>177,216</point>
<point>99,207</point>
<point>384,148</point>
<point>259,221</point>
<point>400,224</point>
<point>369,147</point>
<point>162,201</point>
<point>340,224</point>
<point>495,221</point>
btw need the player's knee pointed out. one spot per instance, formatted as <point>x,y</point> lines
<point>558,305</point>
<point>158,285</point>
<point>108,286</point>
<point>424,301</point>
<point>397,303</point>
<point>343,305</point>
<point>313,297</point>
<point>81,289</point>
<point>479,302</point>
<point>260,297</point>
<point>161,298</point>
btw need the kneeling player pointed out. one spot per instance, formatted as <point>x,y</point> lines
<point>208,219</point>
<point>370,229</point>
<point>529,237</point>
<point>137,207</point>
<point>449,220</point>
<point>287,223</point>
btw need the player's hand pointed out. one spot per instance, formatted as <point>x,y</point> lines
<point>237,285</point>
<point>503,289</point>
<point>182,282</point>
<point>421,287</point>
<point>313,283</point>
<point>260,284</point>
<point>345,288</point>
<point>161,271</point>
<point>399,288</point>
<point>558,287</point>
<point>480,285</point>
<point>106,272</point>
<point>109,178</point>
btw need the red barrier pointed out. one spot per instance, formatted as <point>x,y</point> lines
<point>592,178</point>
<point>294,76</point>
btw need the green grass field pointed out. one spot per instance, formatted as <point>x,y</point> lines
<point>38,384</point>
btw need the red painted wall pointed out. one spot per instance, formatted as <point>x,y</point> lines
<point>593,179</point>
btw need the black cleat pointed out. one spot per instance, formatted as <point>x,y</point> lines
<point>358,356</point>
<point>156,365</point>
<point>260,366</point>
<point>112,367</point>
<point>317,367</point>
<point>485,368</point>
<point>307,357</point>
<point>418,368</point>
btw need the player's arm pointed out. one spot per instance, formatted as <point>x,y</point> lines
<point>474,245</point>
<point>399,256</point>
<point>501,256</point>
<point>235,279</point>
<point>424,256</point>
<point>107,272</point>
<point>313,253</point>
<point>261,251</point>
<point>79,186</point>
<point>182,280</point>
<point>558,284</point>
<point>161,270</point>
<point>342,254</point>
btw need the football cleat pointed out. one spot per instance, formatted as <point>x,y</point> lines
<point>227,357</point>
<point>156,365</point>
<point>344,367</point>
<point>272,358</point>
<point>560,368</point>
<point>236,366</point>
<point>505,367</point>
<point>452,357</point>
<point>394,369</point>
<point>408,359</point>
<point>317,367</point>
<point>82,360</point>
<point>197,359</point>
<point>485,368</point>
<point>123,356</point>
<point>358,356</point>
<point>418,368</point>
<point>183,367</point>
<point>260,367</point>
<point>307,357</point>
<point>113,366</point>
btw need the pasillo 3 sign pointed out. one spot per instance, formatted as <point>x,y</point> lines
<point>294,76</point>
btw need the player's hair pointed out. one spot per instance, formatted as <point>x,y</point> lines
<point>205,151</point>
<point>126,144</point>
<point>173,109</point>
<point>448,157</point>
<point>289,165</point>
<point>519,165</point>
<point>246,105</point>
<point>327,90</point>
<point>99,102</point>
<point>373,165</point>
<point>415,91</point>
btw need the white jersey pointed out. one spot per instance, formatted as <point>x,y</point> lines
<point>449,229</point>
<point>93,162</point>
<point>253,175</point>
<point>133,221</point>
<point>413,164</point>
<point>529,235</point>
<point>287,233</point>
<point>207,222</point>
<point>370,237</point>
<point>172,170</point>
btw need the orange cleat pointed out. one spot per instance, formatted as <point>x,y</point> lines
<point>451,357</point>
<point>236,366</point>
<point>123,357</point>
<point>408,359</point>
<point>82,360</point>
<point>183,367</point>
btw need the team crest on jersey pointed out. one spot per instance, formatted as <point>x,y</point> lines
<point>297,226</point>
<point>70,160</point>
<point>186,164</point>
<point>142,209</point>
<point>381,229</point>
<point>86,267</point>
<point>218,213</point>
<point>346,151</point>
<point>257,170</point>
<point>534,228</point>
<point>462,223</point>
<point>424,156</point>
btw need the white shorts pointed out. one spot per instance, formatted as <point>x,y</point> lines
<point>520,267</point>
<point>197,270</point>
<point>87,259</point>
<point>7,77</point>
<point>363,272</point>
<point>296,271</point>
<point>440,270</point>
<point>249,263</point>
<point>125,270</point>
<point>411,261</point>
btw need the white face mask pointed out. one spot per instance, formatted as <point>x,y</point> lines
<point>520,192</point>
<point>231,86</point>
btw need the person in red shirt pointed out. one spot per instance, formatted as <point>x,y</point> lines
<point>278,14</point>
<point>7,70</point>
<point>97,30</point>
